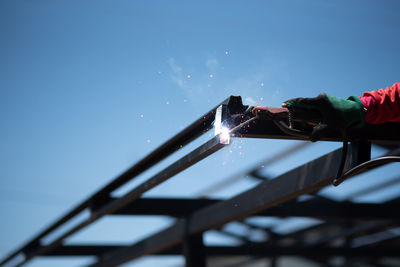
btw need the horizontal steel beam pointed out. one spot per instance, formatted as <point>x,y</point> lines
<point>252,250</point>
<point>176,207</point>
<point>329,210</point>
<point>335,211</point>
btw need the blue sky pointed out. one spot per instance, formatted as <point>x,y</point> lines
<point>88,88</point>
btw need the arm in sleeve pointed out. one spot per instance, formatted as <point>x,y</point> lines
<point>382,105</point>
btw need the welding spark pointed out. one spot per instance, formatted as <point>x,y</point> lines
<point>224,136</point>
<point>220,129</point>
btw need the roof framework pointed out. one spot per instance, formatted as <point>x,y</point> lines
<point>366,233</point>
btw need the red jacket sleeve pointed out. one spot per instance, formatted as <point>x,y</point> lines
<point>382,105</point>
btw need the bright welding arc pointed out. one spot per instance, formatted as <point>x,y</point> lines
<point>224,136</point>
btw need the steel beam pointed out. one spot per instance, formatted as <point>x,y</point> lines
<point>194,251</point>
<point>316,208</point>
<point>81,250</point>
<point>253,250</point>
<point>175,207</point>
<point>336,211</point>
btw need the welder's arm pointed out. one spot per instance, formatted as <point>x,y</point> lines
<point>336,113</point>
<point>373,108</point>
<point>382,105</point>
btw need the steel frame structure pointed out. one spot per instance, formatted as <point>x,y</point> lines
<point>271,197</point>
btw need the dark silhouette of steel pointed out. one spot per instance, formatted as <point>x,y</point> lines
<point>316,208</point>
<point>194,250</point>
<point>272,197</point>
<point>256,250</point>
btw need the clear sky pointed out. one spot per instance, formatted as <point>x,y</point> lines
<point>88,88</point>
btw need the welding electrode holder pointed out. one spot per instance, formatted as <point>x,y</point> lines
<point>285,118</point>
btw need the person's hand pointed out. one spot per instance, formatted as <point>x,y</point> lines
<point>336,113</point>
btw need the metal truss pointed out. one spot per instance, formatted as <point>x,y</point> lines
<point>341,231</point>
